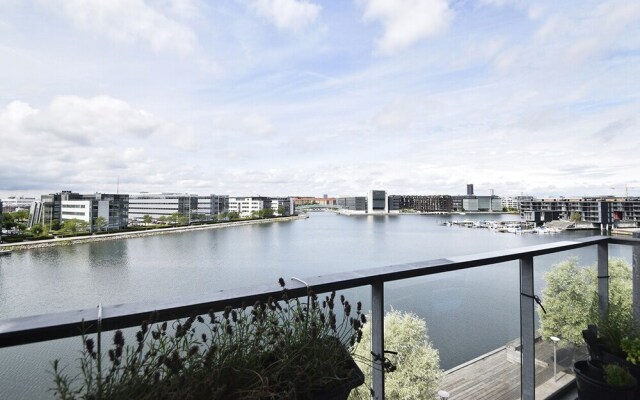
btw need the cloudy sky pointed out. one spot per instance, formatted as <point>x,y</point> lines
<point>302,97</point>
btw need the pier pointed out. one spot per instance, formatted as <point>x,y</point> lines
<point>496,375</point>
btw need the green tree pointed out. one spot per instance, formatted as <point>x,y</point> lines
<point>100,223</point>
<point>163,219</point>
<point>37,230</point>
<point>70,226</point>
<point>575,217</point>
<point>571,298</point>
<point>22,215</point>
<point>267,213</point>
<point>55,225</point>
<point>418,370</point>
<point>147,219</point>
<point>256,214</point>
<point>234,215</point>
<point>8,221</point>
<point>281,210</point>
<point>83,226</point>
<point>174,218</point>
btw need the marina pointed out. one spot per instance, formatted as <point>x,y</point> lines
<point>521,227</point>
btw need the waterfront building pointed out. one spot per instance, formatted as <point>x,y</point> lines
<point>323,201</point>
<point>377,202</point>
<point>437,203</point>
<point>209,207</point>
<point>66,205</point>
<point>244,206</point>
<point>513,203</point>
<point>352,203</point>
<point>159,205</point>
<point>285,204</point>
<point>602,210</point>
<point>476,203</point>
<point>17,203</point>
<point>393,202</point>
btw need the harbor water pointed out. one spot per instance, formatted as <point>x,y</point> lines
<point>468,312</point>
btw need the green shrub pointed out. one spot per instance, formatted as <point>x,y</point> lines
<point>571,300</point>
<point>418,373</point>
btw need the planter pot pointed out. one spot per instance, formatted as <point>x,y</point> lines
<point>592,388</point>
<point>599,352</point>
<point>341,391</point>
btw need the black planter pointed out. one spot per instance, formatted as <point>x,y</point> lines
<point>590,387</point>
<point>341,390</point>
<point>600,353</point>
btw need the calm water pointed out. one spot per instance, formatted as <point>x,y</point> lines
<point>468,312</point>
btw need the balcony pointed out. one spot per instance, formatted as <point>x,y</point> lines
<point>522,369</point>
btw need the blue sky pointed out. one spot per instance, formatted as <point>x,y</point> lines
<point>285,97</point>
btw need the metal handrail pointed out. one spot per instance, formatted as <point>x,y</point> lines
<point>38,328</point>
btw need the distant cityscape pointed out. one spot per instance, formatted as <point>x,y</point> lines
<point>118,211</point>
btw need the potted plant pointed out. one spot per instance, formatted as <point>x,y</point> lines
<point>596,381</point>
<point>280,349</point>
<point>617,343</point>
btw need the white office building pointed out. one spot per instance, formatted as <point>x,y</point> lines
<point>246,205</point>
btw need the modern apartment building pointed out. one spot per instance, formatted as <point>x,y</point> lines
<point>597,210</point>
<point>66,205</point>
<point>285,204</point>
<point>437,203</point>
<point>513,203</point>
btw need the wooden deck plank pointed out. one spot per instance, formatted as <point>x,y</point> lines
<point>494,377</point>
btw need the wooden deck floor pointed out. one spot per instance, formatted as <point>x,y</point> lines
<point>496,376</point>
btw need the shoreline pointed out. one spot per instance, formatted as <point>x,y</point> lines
<point>68,241</point>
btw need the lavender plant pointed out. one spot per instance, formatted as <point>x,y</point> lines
<point>280,349</point>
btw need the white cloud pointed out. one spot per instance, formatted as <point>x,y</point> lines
<point>82,120</point>
<point>129,21</point>
<point>291,15</point>
<point>81,141</point>
<point>589,33</point>
<point>406,22</point>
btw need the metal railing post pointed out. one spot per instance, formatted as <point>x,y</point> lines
<point>377,338</point>
<point>603,279</point>
<point>527,334</point>
<point>635,271</point>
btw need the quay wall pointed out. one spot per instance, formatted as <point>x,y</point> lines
<point>67,241</point>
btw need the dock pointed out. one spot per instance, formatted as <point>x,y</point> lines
<point>5,253</point>
<point>496,375</point>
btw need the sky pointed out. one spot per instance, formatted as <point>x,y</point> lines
<point>302,97</point>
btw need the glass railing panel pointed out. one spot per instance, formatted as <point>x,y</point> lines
<point>566,283</point>
<point>472,318</point>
